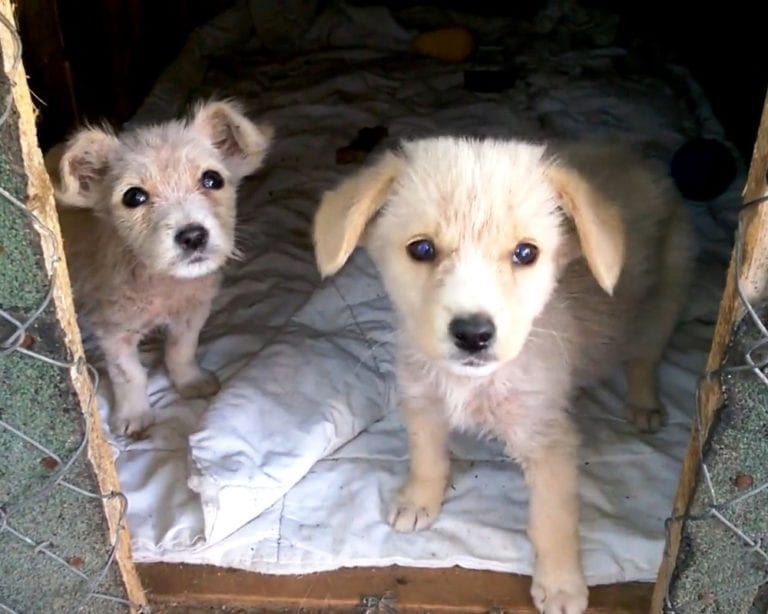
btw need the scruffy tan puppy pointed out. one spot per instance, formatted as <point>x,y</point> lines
<point>518,276</point>
<point>153,224</point>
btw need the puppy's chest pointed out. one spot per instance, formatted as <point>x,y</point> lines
<point>484,407</point>
<point>149,303</point>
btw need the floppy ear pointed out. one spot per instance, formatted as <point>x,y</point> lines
<point>79,167</point>
<point>242,143</point>
<point>598,224</point>
<point>343,213</point>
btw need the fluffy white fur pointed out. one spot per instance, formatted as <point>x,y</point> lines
<point>607,287</point>
<point>129,271</point>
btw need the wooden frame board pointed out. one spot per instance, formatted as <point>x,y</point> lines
<point>403,590</point>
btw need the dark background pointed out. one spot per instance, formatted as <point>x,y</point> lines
<point>98,59</point>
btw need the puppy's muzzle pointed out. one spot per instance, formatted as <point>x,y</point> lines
<point>192,238</point>
<point>473,333</point>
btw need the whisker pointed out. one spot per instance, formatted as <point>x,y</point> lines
<point>548,330</point>
<point>558,336</point>
<point>237,254</point>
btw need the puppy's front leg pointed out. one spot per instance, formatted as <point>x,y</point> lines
<point>131,414</point>
<point>190,380</point>
<point>418,503</point>
<point>553,527</point>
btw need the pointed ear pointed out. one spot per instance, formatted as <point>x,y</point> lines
<point>79,167</point>
<point>345,211</point>
<point>598,223</point>
<point>242,143</point>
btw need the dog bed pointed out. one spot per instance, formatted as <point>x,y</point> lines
<point>289,469</point>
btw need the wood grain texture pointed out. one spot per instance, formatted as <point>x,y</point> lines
<point>406,590</point>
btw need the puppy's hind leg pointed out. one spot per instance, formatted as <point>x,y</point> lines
<point>131,414</point>
<point>190,380</point>
<point>659,318</point>
<point>418,503</point>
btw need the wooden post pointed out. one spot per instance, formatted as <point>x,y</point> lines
<point>753,281</point>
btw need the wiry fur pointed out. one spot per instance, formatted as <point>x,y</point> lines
<point>129,275</point>
<point>607,288</point>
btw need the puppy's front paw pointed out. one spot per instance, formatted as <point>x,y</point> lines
<point>562,594</point>
<point>202,384</point>
<point>416,506</point>
<point>132,423</point>
<point>647,419</point>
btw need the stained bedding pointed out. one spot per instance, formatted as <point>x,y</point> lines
<point>289,468</point>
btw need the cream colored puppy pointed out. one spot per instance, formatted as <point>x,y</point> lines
<point>518,276</point>
<point>152,224</point>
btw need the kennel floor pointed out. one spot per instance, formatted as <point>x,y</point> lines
<point>289,468</point>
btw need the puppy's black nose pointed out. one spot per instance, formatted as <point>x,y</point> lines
<point>472,333</point>
<point>192,238</point>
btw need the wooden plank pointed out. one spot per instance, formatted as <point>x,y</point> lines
<point>754,282</point>
<point>407,590</point>
<point>40,201</point>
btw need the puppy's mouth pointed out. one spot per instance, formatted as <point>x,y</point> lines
<point>473,366</point>
<point>473,361</point>
<point>213,254</point>
<point>196,265</point>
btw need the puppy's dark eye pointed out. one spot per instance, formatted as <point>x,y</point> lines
<point>135,197</point>
<point>525,254</point>
<point>211,180</point>
<point>422,250</point>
